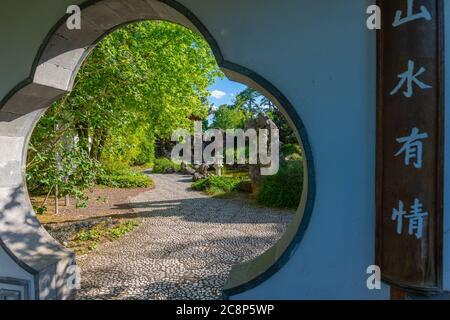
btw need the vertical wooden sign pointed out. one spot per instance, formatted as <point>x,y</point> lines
<point>410,144</point>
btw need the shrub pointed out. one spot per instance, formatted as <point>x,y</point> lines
<point>122,229</point>
<point>128,180</point>
<point>290,149</point>
<point>89,238</point>
<point>164,165</point>
<point>216,185</point>
<point>284,189</point>
<point>115,168</point>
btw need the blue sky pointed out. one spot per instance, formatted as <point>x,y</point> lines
<point>224,91</point>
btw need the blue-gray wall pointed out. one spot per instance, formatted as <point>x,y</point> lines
<point>322,57</point>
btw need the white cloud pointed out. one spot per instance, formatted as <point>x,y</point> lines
<point>218,94</point>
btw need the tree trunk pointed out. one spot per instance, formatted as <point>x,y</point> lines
<point>98,142</point>
<point>56,199</point>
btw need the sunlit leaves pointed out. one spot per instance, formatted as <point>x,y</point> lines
<point>141,82</point>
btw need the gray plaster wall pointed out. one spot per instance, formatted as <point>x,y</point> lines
<point>320,55</point>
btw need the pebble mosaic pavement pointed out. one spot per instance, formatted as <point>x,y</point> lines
<point>184,248</point>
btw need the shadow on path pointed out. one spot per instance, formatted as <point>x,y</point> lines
<point>185,247</point>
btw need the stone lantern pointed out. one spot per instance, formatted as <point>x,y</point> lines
<point>218,164</point>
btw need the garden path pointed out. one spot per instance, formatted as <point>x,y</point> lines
<point>184,248</point>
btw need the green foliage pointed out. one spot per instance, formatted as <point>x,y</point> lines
<point>103,230</point>
<point>164,165</point>
<point>88,235</point>
<point>55,161</point>
<point>41,210</point>
<point>242,174</point>
<point>134,148</point>
<point>146,77</point>
<point>286,132</point>
<point>229,117</point>
<point>247,105</point>
<point>111,167</point>
<point>125,180</point>
<point>122,229</point>
<point>290,149</point>
<point>89,239</point>
<point>146,153</point>
<point>139,84</point>
<point>216,185</point>
<point>284,189</point>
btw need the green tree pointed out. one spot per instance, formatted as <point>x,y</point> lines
<point>254,103</point>
<point>229,117</point>
<point>139,84</point>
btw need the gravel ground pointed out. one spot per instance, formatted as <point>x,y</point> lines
<point>185,247</point>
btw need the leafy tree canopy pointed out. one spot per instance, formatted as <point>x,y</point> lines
<point>140,83</point>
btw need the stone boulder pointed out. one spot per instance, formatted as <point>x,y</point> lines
<point>201,172</point>
<point>197,176</point>
<point>185,169</point>
<point>203,169</point>
<point>260,122</point>
<point>169,171</point>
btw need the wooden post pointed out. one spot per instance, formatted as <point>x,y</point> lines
<point>410,124</point>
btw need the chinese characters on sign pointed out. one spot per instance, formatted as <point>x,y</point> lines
<point>410,15</point>
<point>412,148</point>
<point>416,218</point>
<point>412,145</point>
<point>409,143</point>
<point>410,77</point>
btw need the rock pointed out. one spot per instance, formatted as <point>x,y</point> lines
<point>203,169</point>
<point>197,176</point>
<point>201,172</point>
<point>185,169</point>
<point>260,122</point>
<point>244,186</point>
<point>169,170</point>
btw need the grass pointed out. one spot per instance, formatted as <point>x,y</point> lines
<point>243,175</point>
<point>215,185</point>
<point>88,239</point>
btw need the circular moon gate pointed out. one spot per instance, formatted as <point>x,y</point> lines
<point>53,75</point>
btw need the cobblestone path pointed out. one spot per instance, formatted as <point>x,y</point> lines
<point>184,248</point>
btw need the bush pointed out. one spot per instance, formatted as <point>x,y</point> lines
<point>284,189</point>
<point>290,149</point>
<point>216,184</point>
<point>115,168</point>
<point>128,180</point>
<point>89,238</point>
<point>164,165</point>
